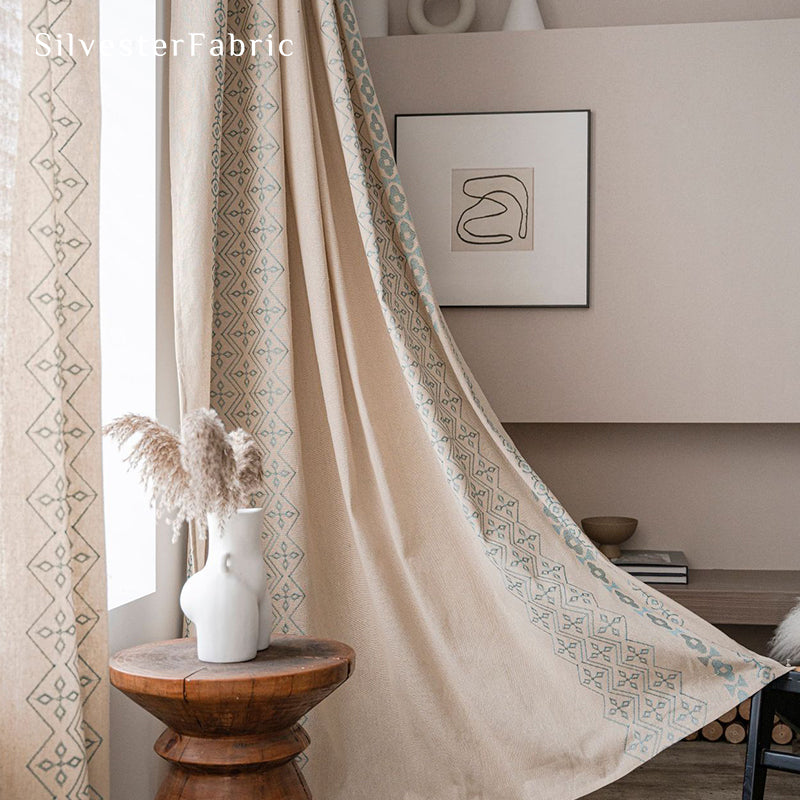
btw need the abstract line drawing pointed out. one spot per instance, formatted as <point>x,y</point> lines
<point>493,195</point>
<point>492,209</point>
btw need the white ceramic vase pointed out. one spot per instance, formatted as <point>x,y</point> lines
<point>420,24</point>
<point>227,599</point>
<point>523,15</point>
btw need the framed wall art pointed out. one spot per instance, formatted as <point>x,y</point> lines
<point>501,204</point>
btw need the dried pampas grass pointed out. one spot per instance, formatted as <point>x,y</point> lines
<point>207,457</point>
<point>249,461</point>
<point>203,471</point>
<point>785,644</point>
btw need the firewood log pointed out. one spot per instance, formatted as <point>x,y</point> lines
<point>781,734</point>
<point>744,709</point>
<point>735,733</point>
<point>712,731</point>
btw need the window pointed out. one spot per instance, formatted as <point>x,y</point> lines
<point>127,279</point>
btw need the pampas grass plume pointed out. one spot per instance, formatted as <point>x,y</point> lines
<point>207,457</point>
<point>203,471</point>
<point>249,461</point>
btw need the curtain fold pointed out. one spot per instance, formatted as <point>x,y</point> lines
<point>53,643</point>
<point>500,655</point>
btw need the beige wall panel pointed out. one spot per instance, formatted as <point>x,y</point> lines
<point>599,13</point>
<point>725,494</point>
<point>695,169</point>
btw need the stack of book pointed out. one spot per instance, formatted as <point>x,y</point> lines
<point>655,566</point>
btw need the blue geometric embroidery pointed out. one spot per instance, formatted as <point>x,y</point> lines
<point>632,687</point>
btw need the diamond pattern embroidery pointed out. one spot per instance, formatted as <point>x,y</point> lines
<point>251,364</point>
<point>60,433</point>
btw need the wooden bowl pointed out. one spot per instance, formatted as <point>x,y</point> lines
<point>608,533</point>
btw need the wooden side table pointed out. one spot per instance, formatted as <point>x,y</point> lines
<point>233,729</point>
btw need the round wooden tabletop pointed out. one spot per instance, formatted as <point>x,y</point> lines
<point>172,669</point>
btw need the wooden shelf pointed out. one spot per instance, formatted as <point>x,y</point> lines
<point>738,597</point>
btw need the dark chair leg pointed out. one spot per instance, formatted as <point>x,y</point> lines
<point>762,711</point>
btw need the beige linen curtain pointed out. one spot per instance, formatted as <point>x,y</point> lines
<point>500,656</point>
<point>53,659</point>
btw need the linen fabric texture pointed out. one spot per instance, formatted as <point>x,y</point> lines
<point>499,654</point>
<point>53,640</point>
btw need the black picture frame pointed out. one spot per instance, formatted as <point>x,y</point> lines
<point>588,189</point>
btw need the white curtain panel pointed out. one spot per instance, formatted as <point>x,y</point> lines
<point>53,650</point>
<point>499,655</point>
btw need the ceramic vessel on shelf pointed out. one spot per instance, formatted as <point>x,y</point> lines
<point>523,15</point>
<point>419,22</point>
<point>608,533</point>
<point>227,599</point>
